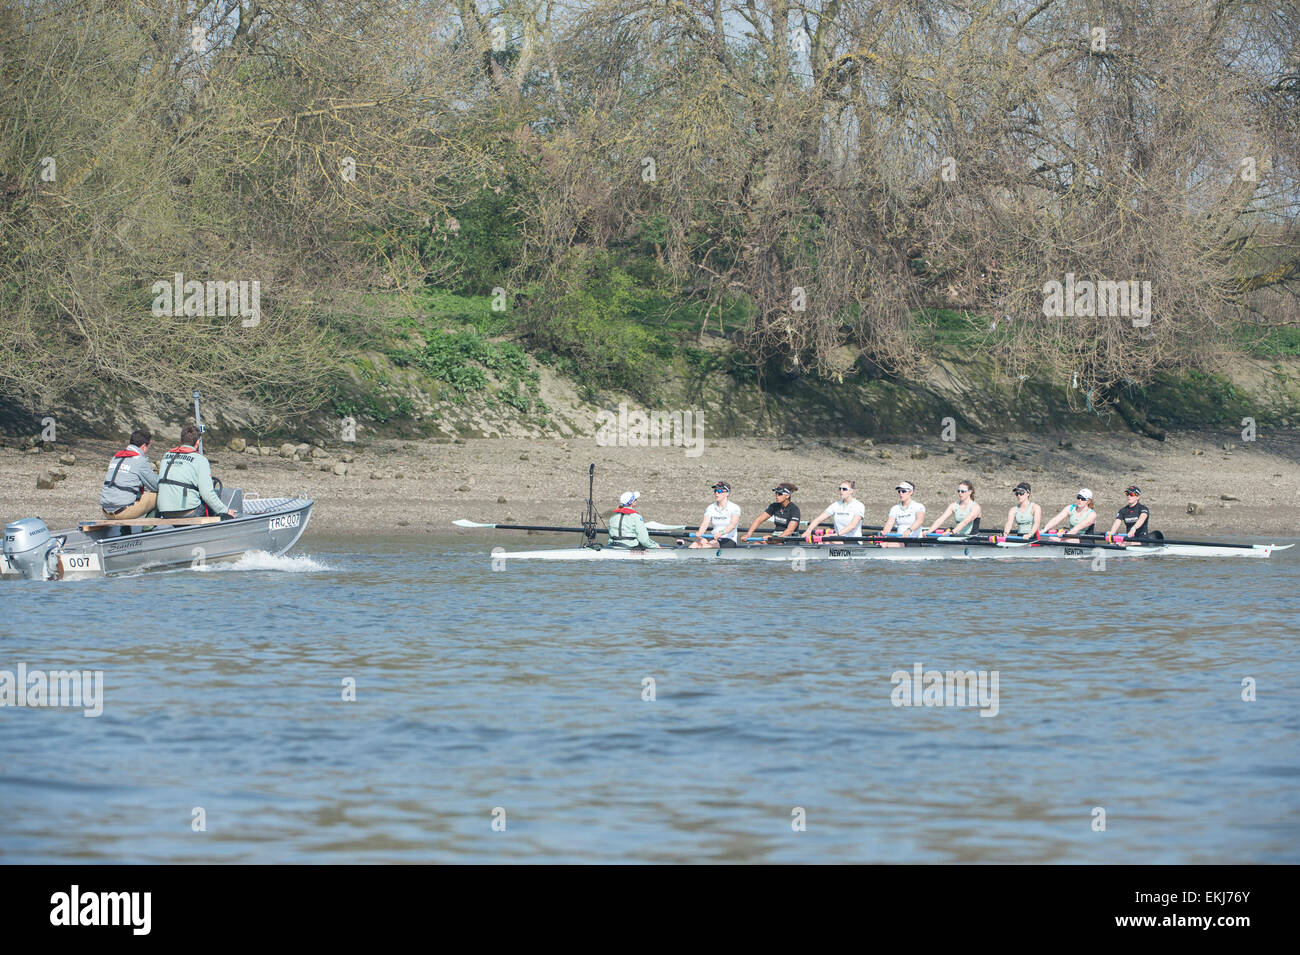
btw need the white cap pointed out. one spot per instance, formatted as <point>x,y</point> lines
<point>1085,494</point>
<point>904,486</point>
<point>628,498</point>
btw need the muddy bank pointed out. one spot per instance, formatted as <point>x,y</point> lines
<point>956,389</point>
<point>419,487</point>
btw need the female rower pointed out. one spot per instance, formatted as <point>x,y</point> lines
<point>907,517</point>
<point>724,515</point>
<point>1026,516</point>
<point>847,513</point>
<point>1133,515</point>
<point>1080,516</point>
<point>965,512</point>
<point>783,511</point>
<point>627,527</point>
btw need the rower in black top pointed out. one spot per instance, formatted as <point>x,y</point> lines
<point>783,512</point>
<point>1134,515</point>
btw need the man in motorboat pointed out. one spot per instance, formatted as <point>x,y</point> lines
<point>130,486</point>
<point>185,486</point>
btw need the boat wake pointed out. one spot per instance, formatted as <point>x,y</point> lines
<point>261,560</point>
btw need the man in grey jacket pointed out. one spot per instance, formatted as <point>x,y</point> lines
<point>130,486</point>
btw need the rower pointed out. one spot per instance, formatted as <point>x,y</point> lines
<point>185,472</point>
<point>626,527</point>
<point>965,512</point>
<point>724,515</point>
<point>1080,516</point>
<point>783,511</point>
<point>1134,515</point>
<point>907,517</point>
<point>130,487</point>
<point>847,513</point>
<point>1026,516</point>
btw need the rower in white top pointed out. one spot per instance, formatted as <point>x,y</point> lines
<point>907,517</point>
<point>724,516</point>
<point>847,513</point>
<point>1079,515</point>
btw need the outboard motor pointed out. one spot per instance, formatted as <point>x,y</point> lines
<point>31,549</point>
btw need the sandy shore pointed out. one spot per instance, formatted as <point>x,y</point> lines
<point>1249,490</point>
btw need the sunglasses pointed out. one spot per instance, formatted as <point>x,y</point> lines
<point>963,490</point>
<point>1080,497</point>
<point>780,491</point>
<point>846,488</point>
<point>1020,493</point>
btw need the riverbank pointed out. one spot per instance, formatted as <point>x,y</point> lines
<point>418,488</point>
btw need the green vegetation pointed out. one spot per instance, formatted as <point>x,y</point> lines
<point>946,326</point>
<point>470,363</point>
<point>375,399</point>
<point>1193,399</point>
<point>602,347</point>
<point>487,242</point>
<point>1279,341</point>
<point>603,327</point>
<point>439,307</point>
<point>629,208</point>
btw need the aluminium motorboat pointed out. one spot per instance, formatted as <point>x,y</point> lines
<point>102,547</point>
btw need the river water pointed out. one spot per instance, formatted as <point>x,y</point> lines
<point>506,716</point>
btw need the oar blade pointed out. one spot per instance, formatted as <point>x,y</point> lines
<point>464,523</point>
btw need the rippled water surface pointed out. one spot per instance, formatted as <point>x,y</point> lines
<point>522,691</point>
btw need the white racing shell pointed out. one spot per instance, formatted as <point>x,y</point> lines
<point>947,550</point>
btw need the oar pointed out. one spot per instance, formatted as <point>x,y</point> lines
<point>544,527</point>
<point>1032,541</point>
<point>1156,541</point>
<point>979,540</point>
<point>794,539</point>
<point>803,524</point>
<point>874,539</point>
<point>518,527</point>
<point>862,527</point>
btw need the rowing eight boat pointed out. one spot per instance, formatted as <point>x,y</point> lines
<point>839,548</point>
<point>945,550</point>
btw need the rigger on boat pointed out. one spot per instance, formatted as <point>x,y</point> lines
<point>903,537</point>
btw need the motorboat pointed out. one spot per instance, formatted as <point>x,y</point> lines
<point>96,548</point>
